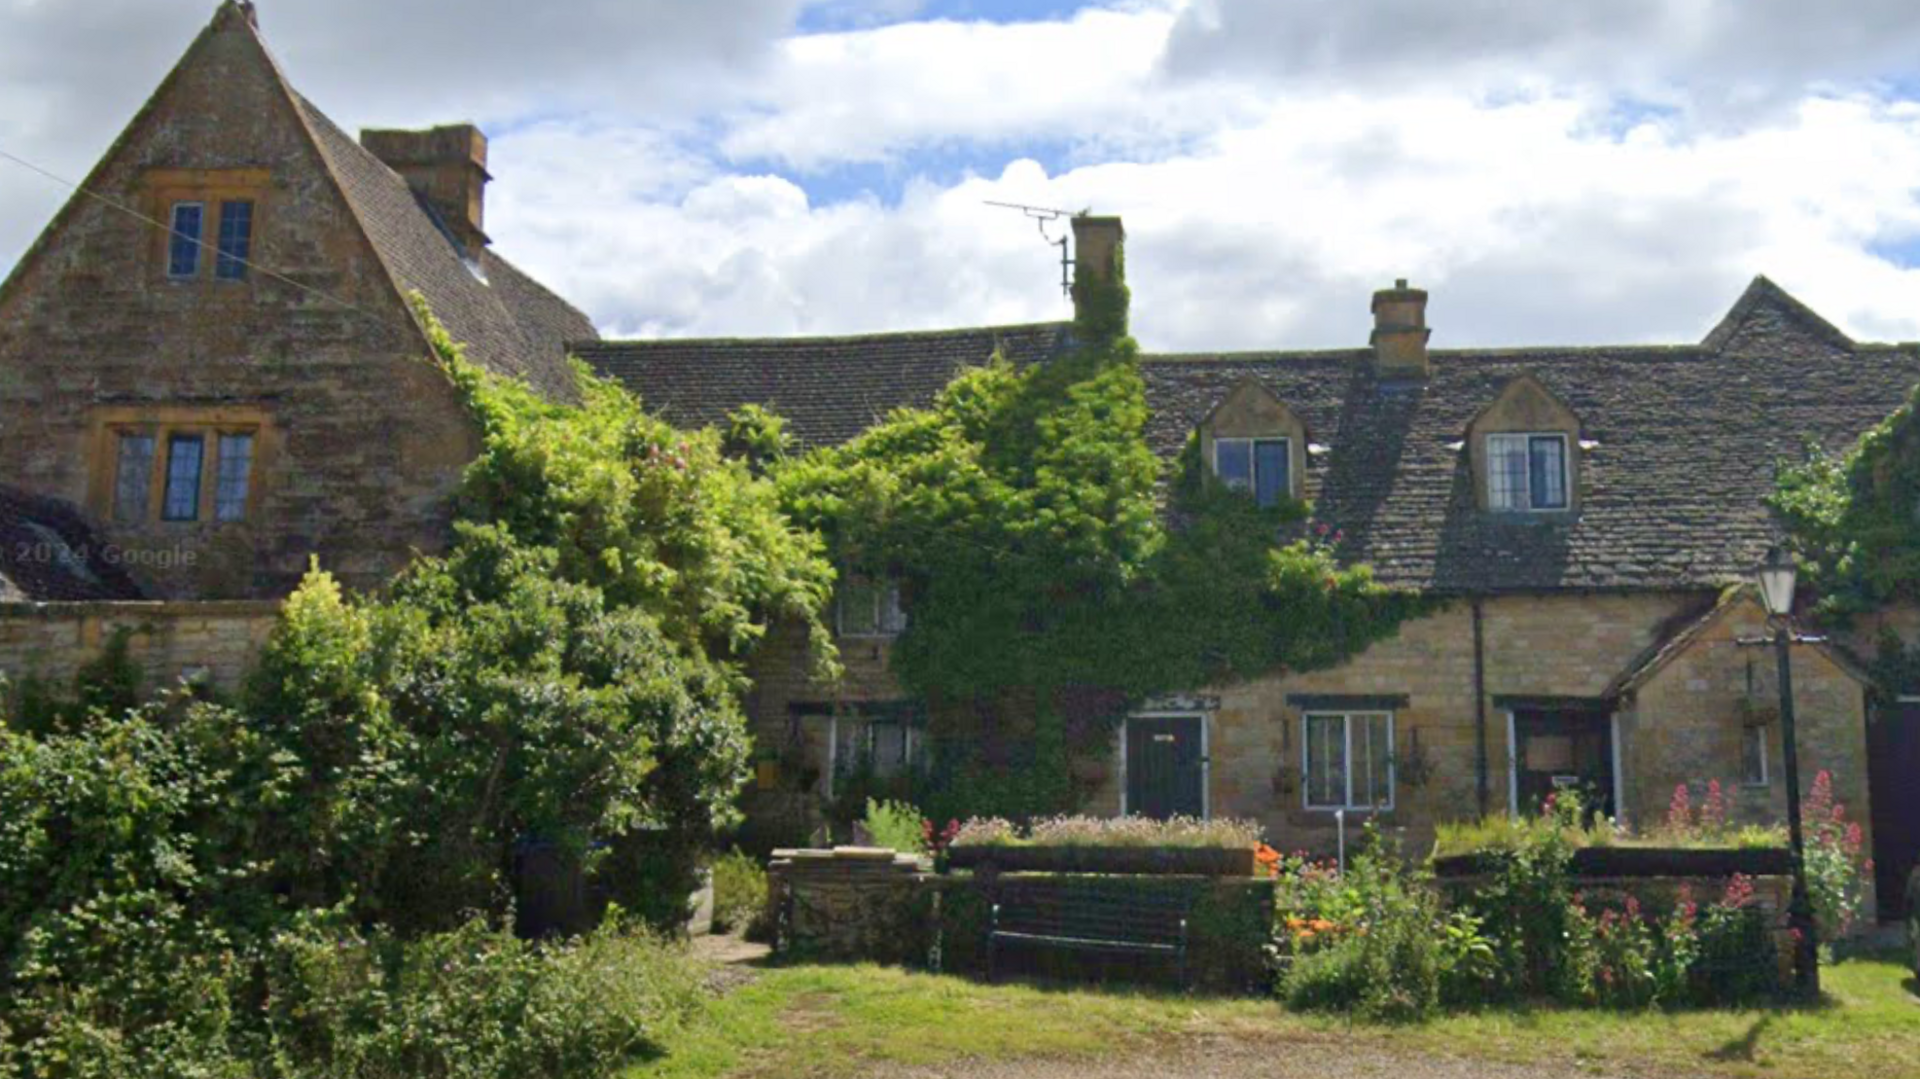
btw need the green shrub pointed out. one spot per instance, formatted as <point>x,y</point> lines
<point>895,825</point>
<point>1373,939</point>
<point>739,894</point>
<point>474,1003</point>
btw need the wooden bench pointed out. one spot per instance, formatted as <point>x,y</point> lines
<point>1105,920</point>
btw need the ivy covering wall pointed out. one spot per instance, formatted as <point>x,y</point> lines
<point>1054,576</point>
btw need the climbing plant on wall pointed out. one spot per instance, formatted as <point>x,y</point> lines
<point>1022,514</point>
<point>1854,518</point>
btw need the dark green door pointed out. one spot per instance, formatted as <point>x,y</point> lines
<point>1165,767</point>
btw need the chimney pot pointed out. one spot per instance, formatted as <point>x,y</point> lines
<point>1400,332</point>
<point>448,166</point>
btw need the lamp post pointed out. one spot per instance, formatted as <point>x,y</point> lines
<point>1776,577</point>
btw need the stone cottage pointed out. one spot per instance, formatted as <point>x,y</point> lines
<point>210,374</point>
<point>210,371</point>
<point>1591,516</point>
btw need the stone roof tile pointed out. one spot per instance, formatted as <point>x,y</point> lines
<point>829,389</point>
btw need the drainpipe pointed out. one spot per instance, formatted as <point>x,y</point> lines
<point>1480,706</point>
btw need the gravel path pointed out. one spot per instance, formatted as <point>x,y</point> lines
<point>1217,1058</point>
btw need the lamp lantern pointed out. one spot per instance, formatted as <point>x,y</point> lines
<point>1776,576</point>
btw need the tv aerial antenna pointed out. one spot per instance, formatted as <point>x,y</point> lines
<point>1043,216</point>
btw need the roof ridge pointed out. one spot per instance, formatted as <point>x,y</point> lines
<point>1455,354</point>
<point>643,342</point>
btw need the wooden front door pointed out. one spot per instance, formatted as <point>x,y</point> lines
<point>1893,774</point>
<point>1556,750</point>
<point>1166,770</point>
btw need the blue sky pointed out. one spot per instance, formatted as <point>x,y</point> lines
<point>1581,172</point>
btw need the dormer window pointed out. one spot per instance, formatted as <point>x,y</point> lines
<point>1248,442</point>
<point>1262,466</point>
<point>1524,451</point>
<point>1527,472</point>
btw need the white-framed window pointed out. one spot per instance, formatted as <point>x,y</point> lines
<point>1527,472</point>
<point>1753,756</point>
<point>867,607</point>
<point>1263,466</point>
<point>1347,760</point>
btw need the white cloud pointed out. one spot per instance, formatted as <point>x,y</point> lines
<point>1275,162</point>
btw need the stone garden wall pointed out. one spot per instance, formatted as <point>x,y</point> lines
<point>863,904</point>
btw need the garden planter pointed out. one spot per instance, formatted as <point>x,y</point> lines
<point>1642,862</point>
<point>1152,861</point>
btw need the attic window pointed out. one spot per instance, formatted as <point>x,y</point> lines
<point>183,251</point>
<point>1260,465</point>
<point>1527,472</point>
<point>236,240</point>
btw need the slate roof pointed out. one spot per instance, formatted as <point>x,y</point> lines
<point>510,323</point>
<point>47,555</point>
<point>829,389</point>
<point>1684,440</point>
<point>1684,447</point>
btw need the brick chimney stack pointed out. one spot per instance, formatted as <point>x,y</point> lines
<point>1099,246</point>
<point>447,165</point>
<point>1400,332</point>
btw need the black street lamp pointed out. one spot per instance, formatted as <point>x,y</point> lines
<point>1776,576</point>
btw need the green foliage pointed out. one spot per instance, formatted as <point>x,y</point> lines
<point>757,436</point>
<point>1551,940</point>
<point>108,683</point>
<point>1021,514</point>
<point>895,825</point>
<point>1853,519</point>
<point>472,1003</point>
<point>1373,940</point>
<point>657,519</point>
<point>739,894</point>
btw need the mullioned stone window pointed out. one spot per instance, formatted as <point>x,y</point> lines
<point>157,465</point>
<point>211,215</point>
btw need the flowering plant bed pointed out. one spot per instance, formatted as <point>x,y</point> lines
<point>1160,861</point>
<point>1180,846</point>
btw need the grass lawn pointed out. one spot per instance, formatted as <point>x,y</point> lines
<point>840,1020</point>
